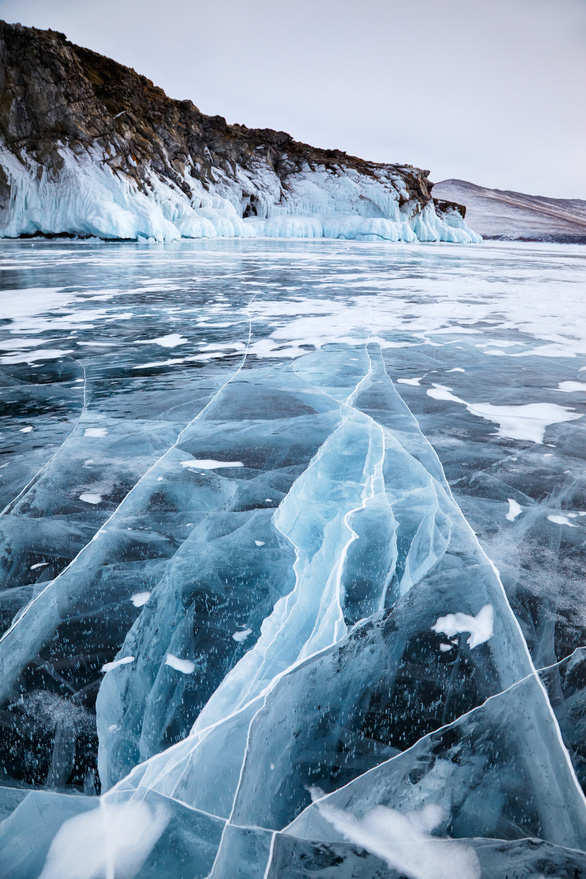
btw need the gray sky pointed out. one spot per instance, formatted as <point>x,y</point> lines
<point>490,91</point>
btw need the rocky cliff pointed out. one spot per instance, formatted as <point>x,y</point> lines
<point>90,147</point>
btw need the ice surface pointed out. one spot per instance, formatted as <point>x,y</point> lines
<point>280,591</point>
<point>565,684</point>
<point>293,858</point>
<point>487,773</point>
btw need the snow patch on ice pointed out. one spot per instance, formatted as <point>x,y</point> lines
<point>155,363</point>
<point>140,598</point>
<point>109,666</point>
<point>95,431</point>
<point>480,626</point>
<point>515,509</point>
<point>404,842</point>
<point>558,519</point>
<point>169,341</point>
<point>20,305</point>
<point>441,392</point>
<point>185,666</point>
<point>89,498</point>
<point>209,464</point>
<point>571,387</point>
<point>88,845</point>
<point>12,344</point>
<point>34,356</point>
<point>527,422</point>
<point>409,381</point>
<point>242,636</point>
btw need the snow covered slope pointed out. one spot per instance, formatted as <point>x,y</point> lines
<point>516,216</point>
<point>89,147</point>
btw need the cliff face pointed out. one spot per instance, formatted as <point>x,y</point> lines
<point>88,146</point>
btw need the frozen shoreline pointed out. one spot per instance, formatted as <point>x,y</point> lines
<point>89,199</point>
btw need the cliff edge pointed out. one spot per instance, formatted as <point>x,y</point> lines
<point>89,147</point>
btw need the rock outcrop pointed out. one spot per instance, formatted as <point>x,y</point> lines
<point>90,147</point>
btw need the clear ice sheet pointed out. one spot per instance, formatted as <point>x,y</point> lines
<point>238,493</point>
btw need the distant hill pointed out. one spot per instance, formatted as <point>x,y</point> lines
<point>496,213</point>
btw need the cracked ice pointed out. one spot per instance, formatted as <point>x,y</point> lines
<point>283,607</point>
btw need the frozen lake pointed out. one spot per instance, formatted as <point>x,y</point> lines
<point>279,517</point>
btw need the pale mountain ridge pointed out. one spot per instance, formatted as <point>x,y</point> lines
<point>509,215</point>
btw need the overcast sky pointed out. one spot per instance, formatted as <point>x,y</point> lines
<point>490,91</point>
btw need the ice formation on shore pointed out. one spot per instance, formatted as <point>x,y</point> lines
<point>89,198</point>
